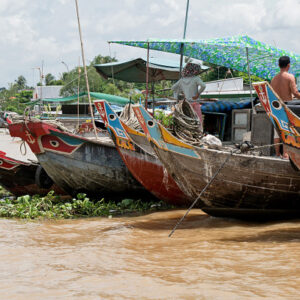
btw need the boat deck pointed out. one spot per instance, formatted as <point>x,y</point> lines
<point>11,146</point>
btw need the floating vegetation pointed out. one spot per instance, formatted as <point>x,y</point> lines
<point>53,207</point>
<point>4,193</point>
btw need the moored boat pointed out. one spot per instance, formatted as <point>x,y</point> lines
<point>78,164</point>
<point>247,186</point>
<point>144,166</point>
<point>21,178</point>
<point>22,174</point>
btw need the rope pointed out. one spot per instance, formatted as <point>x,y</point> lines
<point>203,190</point>
<point>187,125</point>
<point>266,146</point>
<point>129,118</point>
<point>24,146</point>
<point>210,182</point>
<point>85,70</point>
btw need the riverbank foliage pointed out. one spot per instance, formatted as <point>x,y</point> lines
<point>53,207</point>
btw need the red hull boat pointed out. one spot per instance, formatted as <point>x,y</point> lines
<point>143,165</point>
<point>20,178</point>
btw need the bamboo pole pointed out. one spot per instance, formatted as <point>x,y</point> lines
<point>85,71</point>
<point>79,72</point>
<point>147,78</point>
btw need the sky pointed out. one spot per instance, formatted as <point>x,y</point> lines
<point>45,32</point>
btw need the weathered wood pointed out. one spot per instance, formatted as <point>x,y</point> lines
<point>144,166</point>
<point>20,178</point>
<point>78,164</point>
<point>246,182</point>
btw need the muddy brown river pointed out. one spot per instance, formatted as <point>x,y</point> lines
<point>133,258</point>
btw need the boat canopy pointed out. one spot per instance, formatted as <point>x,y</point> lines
<point>135,70</point>
<point>230,52</point>
<point>109,98</point>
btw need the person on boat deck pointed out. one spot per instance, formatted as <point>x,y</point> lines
<point>189,85</point>
<point>284,84</point>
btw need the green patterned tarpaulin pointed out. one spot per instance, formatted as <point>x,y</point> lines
<point>228,52</point>
<point>109,98</point>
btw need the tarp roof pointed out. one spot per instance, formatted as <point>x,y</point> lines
<point>109,98</point>
<point>229,52</point>
<point>135,70</point>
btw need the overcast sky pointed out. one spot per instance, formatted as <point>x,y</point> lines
<point>32,31</point>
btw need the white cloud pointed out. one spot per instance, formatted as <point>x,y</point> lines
<point>36,31</point>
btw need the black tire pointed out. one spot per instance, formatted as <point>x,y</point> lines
<point>42,179</point>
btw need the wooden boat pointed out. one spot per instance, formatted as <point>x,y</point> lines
<point>144,166</point>
<point>21,174</point>
<point>286,122</point>
<point>78,164</point>
<point>21,178</point>
<point>247,186</point>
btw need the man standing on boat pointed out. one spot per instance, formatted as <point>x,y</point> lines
<point>284,84</point>
<point>191,85</point>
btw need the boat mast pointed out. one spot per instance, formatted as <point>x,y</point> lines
<point>85,71</point>
<point>184,33</point>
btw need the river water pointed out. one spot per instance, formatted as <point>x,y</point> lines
<point>133,258</point>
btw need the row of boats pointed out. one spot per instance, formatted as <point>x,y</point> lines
<point>151,160</point>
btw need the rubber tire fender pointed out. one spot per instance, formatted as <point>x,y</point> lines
<point>42,179</point>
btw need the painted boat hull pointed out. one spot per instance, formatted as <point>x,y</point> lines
<point>144,166</point>
<point>78,164</point>
<point>149,171</point>
<point>245,182</point>
<point>285,121</point>
<point>246,187</point>
<point>19,179</point>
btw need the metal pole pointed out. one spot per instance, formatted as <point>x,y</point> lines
<point>147,77</point>
<point>85,71</point>
<point>186,17</point>
<point>248,65</point>
<point>184,33</point>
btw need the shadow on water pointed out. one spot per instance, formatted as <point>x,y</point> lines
<point>260,231</point>
<point>193,221</point>
<point>281,235</point>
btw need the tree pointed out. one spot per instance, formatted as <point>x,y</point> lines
<point>99,59</point>
<point>21,82</point>
<point>49,78</point>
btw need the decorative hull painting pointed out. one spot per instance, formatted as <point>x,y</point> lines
<point>145,167</point>
<point>247,186</point>
<point>19,178</point>
<point>284,120</point>
<point>78,164</point>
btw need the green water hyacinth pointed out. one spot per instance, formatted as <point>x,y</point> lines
<point>53,207</point>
